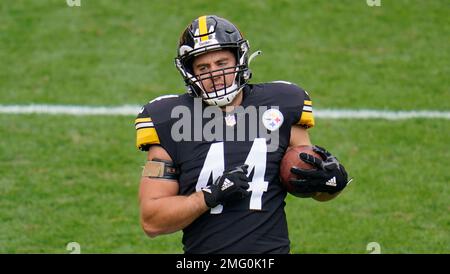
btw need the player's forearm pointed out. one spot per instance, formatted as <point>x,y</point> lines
<point>170,214</point>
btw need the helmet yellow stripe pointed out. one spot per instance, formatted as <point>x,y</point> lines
<point>203,28</point>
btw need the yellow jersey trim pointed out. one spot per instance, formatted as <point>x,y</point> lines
<point>146,136</point>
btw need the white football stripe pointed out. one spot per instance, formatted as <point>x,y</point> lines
<point>133,110</point>
<point>307,108</point>
<point>141,125</point>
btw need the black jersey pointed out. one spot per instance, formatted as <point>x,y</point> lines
<point>203,142</point>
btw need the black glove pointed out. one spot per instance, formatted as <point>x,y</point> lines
<point>231,186</point>
<point>328,176</point>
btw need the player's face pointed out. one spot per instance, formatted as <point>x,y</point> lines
<point>216,68</point>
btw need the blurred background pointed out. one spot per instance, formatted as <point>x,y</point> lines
<point>66,178</point>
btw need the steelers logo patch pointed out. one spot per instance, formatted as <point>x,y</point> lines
<point>272,119</point>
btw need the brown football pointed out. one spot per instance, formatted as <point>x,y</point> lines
<point>291,158</point>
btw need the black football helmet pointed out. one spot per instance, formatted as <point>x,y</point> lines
<point>205,34</point>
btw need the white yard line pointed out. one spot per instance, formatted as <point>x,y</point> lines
<point>125,110</point>
<point>380,114</point>
<point>132,110</point>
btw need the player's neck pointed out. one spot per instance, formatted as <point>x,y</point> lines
<point>236,102</point>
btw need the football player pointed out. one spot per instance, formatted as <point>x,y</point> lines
<point>225,193</point>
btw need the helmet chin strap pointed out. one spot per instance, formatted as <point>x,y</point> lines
<point>223,96</point>
<point>225,99</point>
<point>228,98</point>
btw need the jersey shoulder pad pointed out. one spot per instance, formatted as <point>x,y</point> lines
<point>150,115</point>
<point>296,98</point>
<point>288,89</point>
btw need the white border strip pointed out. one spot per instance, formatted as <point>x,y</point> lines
<point>132,110</point>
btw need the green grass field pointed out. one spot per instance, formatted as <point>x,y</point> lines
<point>67,178</point>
